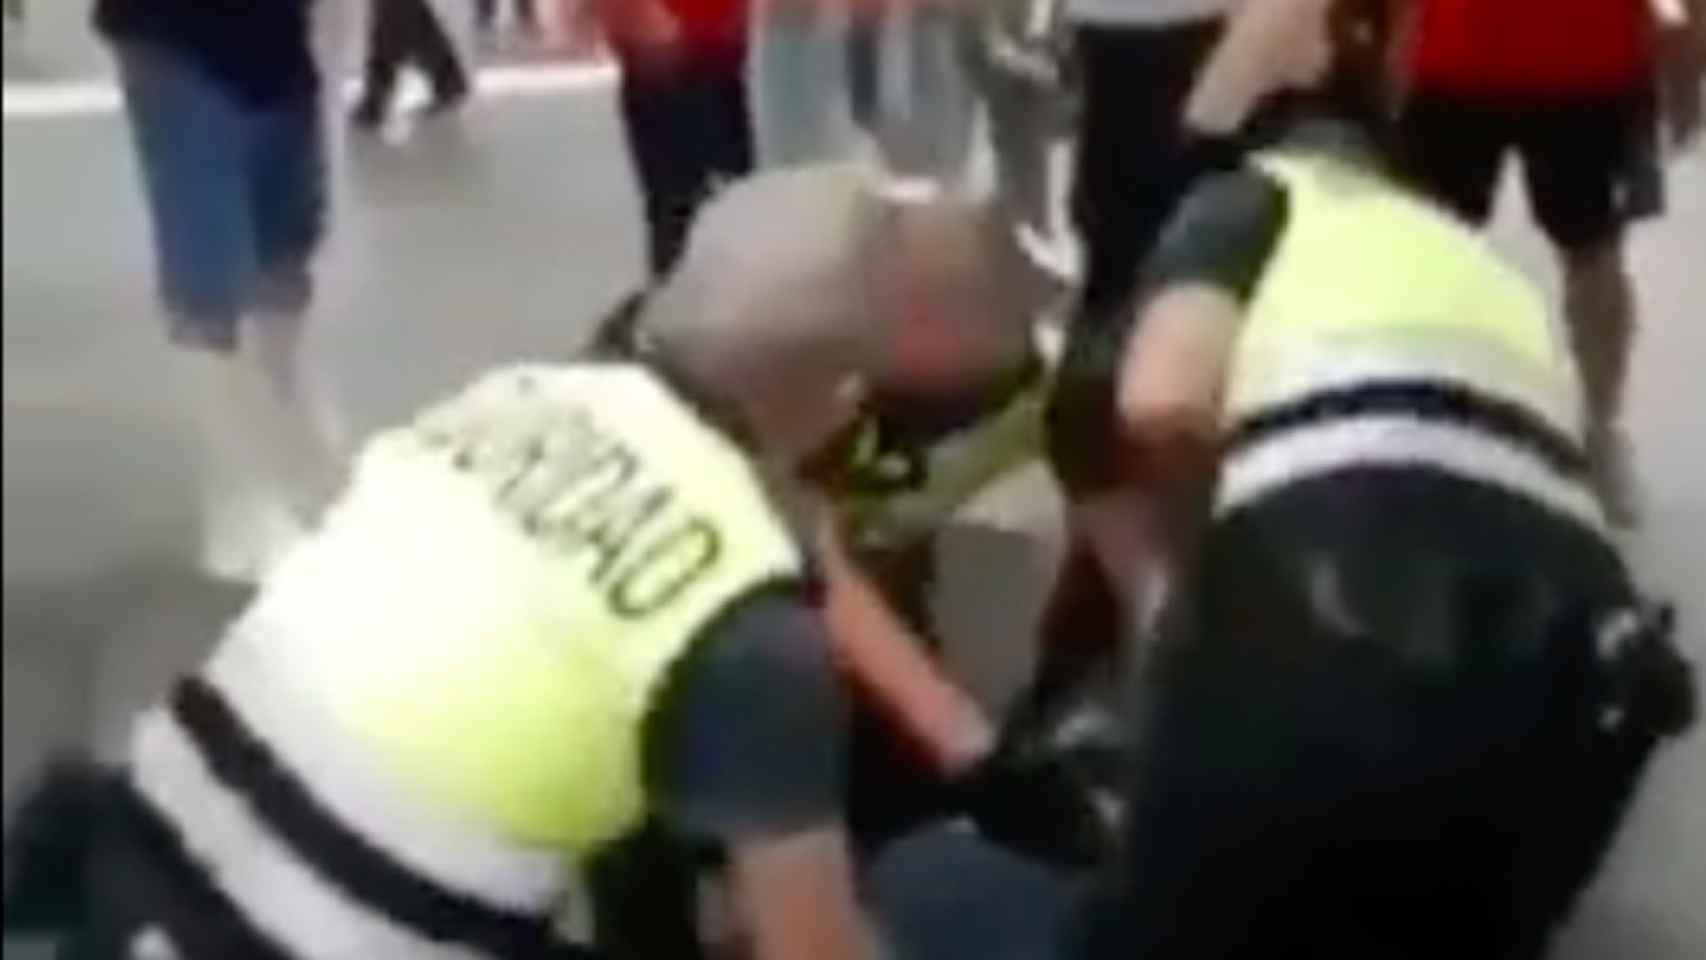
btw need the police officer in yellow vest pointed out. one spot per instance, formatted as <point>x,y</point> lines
<point>1402,689</point>
<point>1405,687</point>
<point>557,603</point>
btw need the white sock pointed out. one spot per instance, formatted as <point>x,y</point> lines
<point>278,346</point>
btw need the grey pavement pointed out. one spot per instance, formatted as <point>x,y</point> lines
<point>498,237</point>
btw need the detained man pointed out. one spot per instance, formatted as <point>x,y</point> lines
<point>545,608</point>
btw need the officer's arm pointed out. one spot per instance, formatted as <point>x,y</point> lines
<point>1170,387</point>
<point>888,661</point>
<point>1174,365</point>
<point>1174,370</point>
<point>798,893</point>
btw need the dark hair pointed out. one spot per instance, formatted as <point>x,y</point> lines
<point>1357,88</point>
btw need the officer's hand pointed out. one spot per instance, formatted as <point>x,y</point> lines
<point>1038,805</point>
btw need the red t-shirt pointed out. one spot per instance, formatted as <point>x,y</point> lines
<point>1532,46</point>
<point>711,26</point>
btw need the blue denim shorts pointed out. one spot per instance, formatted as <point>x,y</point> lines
<point>236,193</point>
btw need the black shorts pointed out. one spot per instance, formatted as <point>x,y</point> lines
<point>1590,162</point>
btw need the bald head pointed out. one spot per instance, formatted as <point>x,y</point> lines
<point>962,294</point>
<point>804,287</point>
<point>770,305</point>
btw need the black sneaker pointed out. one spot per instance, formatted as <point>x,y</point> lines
<point>369,114</point>
<point>448,97</point>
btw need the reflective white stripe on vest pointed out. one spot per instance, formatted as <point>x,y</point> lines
<point>459,857</point>
<point>282,896</point>
<point>1377,440</point>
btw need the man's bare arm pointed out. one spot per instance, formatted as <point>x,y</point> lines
<point>1173,372</point>
<point>1171,387</point>
<point>888,661</point>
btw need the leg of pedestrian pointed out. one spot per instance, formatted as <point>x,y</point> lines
<point>387,48</point>
<point>431,48</point>
<point>798,80</point>
<point>287,190</point>
<point>193,142</point>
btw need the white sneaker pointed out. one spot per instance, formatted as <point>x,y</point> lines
<point>244,536</point>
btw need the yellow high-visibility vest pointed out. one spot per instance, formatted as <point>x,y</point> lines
<point>1368,281</point>
<point>490,611</point>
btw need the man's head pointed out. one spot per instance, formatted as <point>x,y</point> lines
<point>960,293</point>
<point>768,310</point>
<point>805,291</point>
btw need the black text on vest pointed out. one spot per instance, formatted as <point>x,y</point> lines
<point>581,490</point>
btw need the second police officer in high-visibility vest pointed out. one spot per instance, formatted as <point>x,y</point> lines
<point>1404,688</point>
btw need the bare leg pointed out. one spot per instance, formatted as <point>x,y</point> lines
<point>1599,307</point>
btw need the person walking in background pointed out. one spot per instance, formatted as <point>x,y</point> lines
<point>801,83</point>
<point>224,113</point>
<point>404,32</point>
<point>1018,62</point>
<point>926,106</point>
<point>1568,85</point>
<point>684,107</point>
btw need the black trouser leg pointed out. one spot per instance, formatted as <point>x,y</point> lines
<point>892,787</point>
<point>1134,162</point>
<point>864,70</point>
<point>485,13</point>
<point>1379,735</point>
<point>687,132</point>
<point>429,46</point>
<point>387,48</point>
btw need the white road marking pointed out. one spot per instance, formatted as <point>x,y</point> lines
<point>30,100</point>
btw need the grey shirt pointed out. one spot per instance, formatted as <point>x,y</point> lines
<point>748,735</point>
